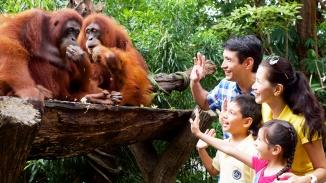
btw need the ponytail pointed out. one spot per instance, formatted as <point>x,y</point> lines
<point>301,100</point>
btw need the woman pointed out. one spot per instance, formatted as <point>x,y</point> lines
<point>286,95</point>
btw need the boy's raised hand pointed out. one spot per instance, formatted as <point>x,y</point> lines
<point>195,123</point>
<point>203,145</point>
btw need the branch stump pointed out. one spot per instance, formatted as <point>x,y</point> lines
<point>19,123</point>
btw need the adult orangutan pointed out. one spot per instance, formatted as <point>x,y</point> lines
<point>118,66</point>
<point>40,57</point>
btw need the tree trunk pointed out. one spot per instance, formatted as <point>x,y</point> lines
<point>18,126</point>
<point>164,167</point>
<point>304,30</point>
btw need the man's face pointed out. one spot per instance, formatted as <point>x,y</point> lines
<point>231,66</point>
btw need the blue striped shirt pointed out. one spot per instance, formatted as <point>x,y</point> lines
<point>225,89</point>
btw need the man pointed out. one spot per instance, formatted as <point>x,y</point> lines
<point>242,55</point>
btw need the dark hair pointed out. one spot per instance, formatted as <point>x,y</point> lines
<point>246,46</point>
<point>249,108</point>
<point>297,94</point>
<point>282,133</point>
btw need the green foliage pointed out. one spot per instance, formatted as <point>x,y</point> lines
<point>21,5</point>
<point>164,39</point>
<point>264,19</point>
<point>169,33</point>
<point>129,171</point>
<point>272,22</point>
<point>194,171</point>
<point>312,65</point>
<point>278,44</point>
<point>54,171</point>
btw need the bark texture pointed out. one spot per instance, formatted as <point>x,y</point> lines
<point>19,123</point>
<point>70,129</point>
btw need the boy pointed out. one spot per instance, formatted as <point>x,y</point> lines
<point>242,114</point>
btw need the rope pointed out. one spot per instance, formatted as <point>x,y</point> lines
<point>186,80</point>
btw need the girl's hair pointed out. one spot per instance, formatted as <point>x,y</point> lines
<point>249,108</point>
<point>297,94</point>
<point>282,133</point>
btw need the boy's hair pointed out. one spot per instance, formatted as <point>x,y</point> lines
<point>249,108</point>
<point>282,133</point>
<point>246,46</point>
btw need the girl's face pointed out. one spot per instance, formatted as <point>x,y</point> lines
<point>232,118</point>
<point>264,151</point>
<point>263,90</point>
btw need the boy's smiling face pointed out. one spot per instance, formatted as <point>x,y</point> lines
<point>233,120</point>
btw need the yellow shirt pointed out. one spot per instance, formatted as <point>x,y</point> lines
<point>232,170</point>
<point>301,164</point>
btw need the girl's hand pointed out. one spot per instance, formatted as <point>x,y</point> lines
<point>293,178</point>
<point>223,110</point>
<point>203,145</point>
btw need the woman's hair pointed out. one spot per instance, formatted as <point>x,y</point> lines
<point>249,108</point>
<point>282,133</point>
<point>297,94</point>
<point>246,46</point>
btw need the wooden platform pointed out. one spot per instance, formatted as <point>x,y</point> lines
<point>70,129</point>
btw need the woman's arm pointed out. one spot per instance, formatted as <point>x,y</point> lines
<point>316,154</point>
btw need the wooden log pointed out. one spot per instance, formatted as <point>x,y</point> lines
<point>71,129</point>
<point>85,7</point>
<point>179,81</point>
<point>19,123</point>
<point>165,166</point>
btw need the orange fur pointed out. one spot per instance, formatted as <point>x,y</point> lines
<point>117,50</point>
<point>128,76</point>
<point>29,40</point>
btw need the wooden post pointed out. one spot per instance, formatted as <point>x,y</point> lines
<point>164,167</point>
<point>19,123</point>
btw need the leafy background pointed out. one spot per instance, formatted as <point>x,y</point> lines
<point>169,33</point>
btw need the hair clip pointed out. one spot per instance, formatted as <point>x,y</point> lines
<point>273,59</point>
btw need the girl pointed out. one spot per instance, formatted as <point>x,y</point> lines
<point>286,95</point>
<point>275,144</point>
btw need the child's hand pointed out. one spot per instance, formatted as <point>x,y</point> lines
<point>195,123</point>
<point>223,110</point>
<point>203,145</point>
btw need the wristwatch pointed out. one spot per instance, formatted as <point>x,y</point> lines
<point>313,178</point>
